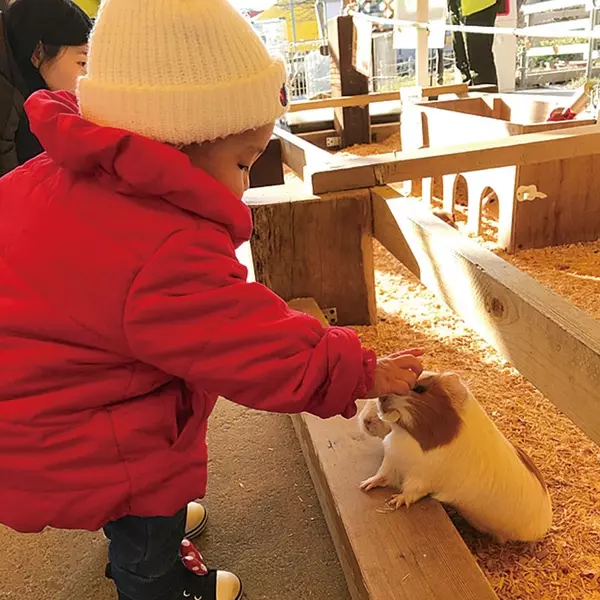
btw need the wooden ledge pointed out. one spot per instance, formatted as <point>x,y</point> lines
<point>408,554</point>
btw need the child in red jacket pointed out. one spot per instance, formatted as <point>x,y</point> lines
<point>124,311</point>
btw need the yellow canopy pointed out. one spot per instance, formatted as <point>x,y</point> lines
<point>305,18</point>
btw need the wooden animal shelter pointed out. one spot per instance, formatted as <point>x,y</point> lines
<point>313,240</point>
<point>562,207</point>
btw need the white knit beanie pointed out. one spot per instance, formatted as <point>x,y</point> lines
<point>179,71</point>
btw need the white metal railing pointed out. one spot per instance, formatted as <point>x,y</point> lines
<point>581,28</point>
<point>564,61</point>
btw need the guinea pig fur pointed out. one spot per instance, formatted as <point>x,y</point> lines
<point>370,422</point>
<point>442,443</point>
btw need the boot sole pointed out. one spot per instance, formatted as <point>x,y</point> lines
<point>196,531</point>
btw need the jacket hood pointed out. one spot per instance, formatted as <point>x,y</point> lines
<point>130,164</point>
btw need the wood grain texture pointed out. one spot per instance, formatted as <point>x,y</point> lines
<point>409,554</point>
<point>305,245</point>
<point>527,149</point>
<point>571,211</point>
<point>553,344</point>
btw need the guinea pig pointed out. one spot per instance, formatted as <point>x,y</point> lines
<point>442,443</point>
<point>370,422</point>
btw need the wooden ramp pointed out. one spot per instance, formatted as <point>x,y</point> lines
<point>408,554</point>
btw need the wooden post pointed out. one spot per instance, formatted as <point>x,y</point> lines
<point>422,52</point>
<point>353,124</point>
<point>304,245</point>
<point>268,169</point>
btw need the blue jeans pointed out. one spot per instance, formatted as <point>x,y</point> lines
<point>144,556</point>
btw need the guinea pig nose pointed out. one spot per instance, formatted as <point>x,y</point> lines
<point>385,401</point>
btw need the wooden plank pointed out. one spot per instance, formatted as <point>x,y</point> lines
<point>341,101</point>
<point>268,169</point>
<point>527,149</point>
<point>366,99</point>
<point>304,245</point>
<point>553,344</point>
<point>409,554</point>
<point>352,123</point>
<point>297,153</point>
<point>569,213</point>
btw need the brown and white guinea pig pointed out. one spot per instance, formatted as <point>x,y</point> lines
<point>442,443</point>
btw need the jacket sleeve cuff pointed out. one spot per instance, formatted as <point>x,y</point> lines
<point>365,382</point>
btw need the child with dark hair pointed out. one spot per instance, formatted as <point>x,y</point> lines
<point>124,312</point>
<point>43,45</point>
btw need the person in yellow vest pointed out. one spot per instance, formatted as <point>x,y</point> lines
<point>478,66</point>
<point>89,6</point>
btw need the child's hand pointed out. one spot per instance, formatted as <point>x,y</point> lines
<point>397,373</point>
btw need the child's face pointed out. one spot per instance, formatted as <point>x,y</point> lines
<point>229,159</point>
<point>62,71</point>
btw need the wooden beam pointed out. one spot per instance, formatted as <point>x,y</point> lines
<point>409,554</point>
<point>366,99</point>
<point>526,149</point>
<point>305,245</point>
<point>297,153</point>
<point>553,344</point>
<point>342,101</point>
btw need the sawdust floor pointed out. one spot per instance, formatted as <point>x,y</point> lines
<point>565,565</point>
<point>265,525</point>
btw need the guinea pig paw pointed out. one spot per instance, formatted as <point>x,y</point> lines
<point>397,501</point>
<point>374,482</point>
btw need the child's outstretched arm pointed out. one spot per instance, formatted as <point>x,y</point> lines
<point>191,313</point>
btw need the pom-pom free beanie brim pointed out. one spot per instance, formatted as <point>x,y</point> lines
<point>180,71</point>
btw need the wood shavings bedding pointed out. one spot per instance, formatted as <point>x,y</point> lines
<point>566,564</point>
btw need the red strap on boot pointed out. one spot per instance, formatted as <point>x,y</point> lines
<point>191,557</point>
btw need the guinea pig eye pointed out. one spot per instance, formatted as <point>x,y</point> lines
<point>419,389</point>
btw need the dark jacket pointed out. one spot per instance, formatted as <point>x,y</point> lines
<point>17,143</point>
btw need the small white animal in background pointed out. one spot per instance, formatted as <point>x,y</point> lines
<point>439,441</point>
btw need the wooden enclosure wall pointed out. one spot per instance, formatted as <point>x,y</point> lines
<point>307,246</point>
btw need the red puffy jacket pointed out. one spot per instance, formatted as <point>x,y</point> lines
<point>124,313</point>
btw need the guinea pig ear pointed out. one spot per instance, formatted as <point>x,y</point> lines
<point>455,387</point>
